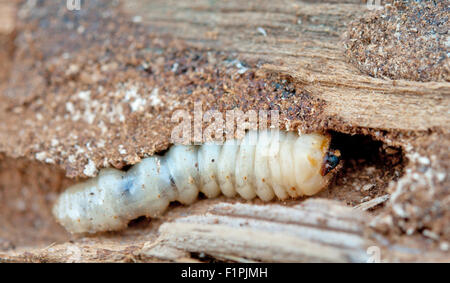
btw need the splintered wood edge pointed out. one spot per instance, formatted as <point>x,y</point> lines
<point>318,230</point>
<point>304,233</point>
<point>367,102</point>
<point>372,203</point>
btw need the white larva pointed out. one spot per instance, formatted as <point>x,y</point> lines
<point>276,163</point>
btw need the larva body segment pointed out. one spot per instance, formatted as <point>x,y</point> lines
<point>275,168</point>
<point>287,168</point>
<point>185,176</point>
<point>264,164</point>
<point>245,163</point>
<point>208,154</point>
<point>262,153</point>
<point>226,168</point>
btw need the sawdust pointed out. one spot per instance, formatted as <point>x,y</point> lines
<point>404,40</point>
<point>420,199</point>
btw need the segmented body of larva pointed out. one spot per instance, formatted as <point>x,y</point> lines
<point>264,164</point>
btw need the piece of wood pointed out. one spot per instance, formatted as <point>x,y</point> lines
<point>302,39</point>
<point>318,230</point>
<point>372,203</point>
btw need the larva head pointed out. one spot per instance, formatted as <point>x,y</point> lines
<point>314,162</point>
<point>331,161</point>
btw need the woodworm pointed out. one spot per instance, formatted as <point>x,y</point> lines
<point>276,164</point>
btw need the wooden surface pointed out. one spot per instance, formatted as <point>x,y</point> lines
<point>318,230</point>
<point>302,39</point>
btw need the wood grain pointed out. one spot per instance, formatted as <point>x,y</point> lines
<point>316,231</point>
<point>301,39</point>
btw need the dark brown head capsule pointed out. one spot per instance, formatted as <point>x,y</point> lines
<point>331,160</point>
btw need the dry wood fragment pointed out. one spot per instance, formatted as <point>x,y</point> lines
<point>163,252</point>
<point>318,230</point>
<point>372,203</point>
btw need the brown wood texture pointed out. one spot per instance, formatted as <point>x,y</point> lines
<point>315,231</point>
<point>318,230</point>
<point>302,39</point>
